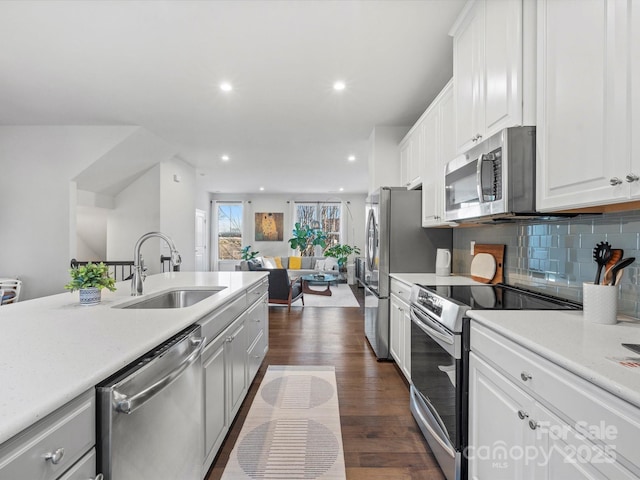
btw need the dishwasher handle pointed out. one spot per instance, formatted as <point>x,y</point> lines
<point>129,404</point>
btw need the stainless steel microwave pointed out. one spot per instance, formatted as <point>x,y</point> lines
<point>495,178</point>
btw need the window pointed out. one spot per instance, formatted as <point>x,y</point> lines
<point>229,231</point>
<point>325,216</point>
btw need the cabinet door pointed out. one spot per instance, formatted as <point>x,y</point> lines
<point>430,172</point>
<point>498,425</point>
<point>503,57</point>
<point>215,419</point>
<point>579,135</point>
<point>468,74</point>
<point>564,453</point>
<point>405,157</point>
<point>236,351</point>
<point>406,341</point>
<point>395,322</point>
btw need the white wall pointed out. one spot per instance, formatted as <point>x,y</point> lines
<point>37,165</point>
<point>384,156</point>
<point>136,212</point>
<point>177,209</point>
<point>353,211</point>
<point>91,230</point>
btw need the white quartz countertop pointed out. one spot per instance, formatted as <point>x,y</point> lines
<point>433,279</point>
<point>567,340</point>
<point>52,349</point>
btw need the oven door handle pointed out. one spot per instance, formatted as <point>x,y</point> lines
<point>430,327</point>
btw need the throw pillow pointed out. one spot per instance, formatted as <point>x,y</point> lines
<point>307,263</point>
<point>295,263</point>
<point>320,265</point>
<point>269,262</point>
<point>278,262</point>
<point>331,264</point>
<point>254,264</point>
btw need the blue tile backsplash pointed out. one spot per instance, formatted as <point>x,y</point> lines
<point>557,257</point>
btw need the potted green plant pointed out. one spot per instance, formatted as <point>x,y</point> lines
<point>306,238</point>
<point>341,252</point>
<point>90,279</point>
<point>246,254</point>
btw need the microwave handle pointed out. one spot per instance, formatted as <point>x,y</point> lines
<point>479,162</point>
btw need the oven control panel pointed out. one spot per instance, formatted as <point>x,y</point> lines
<point>430,302</point>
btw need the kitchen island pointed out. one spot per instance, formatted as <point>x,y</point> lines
<point>52,350</point>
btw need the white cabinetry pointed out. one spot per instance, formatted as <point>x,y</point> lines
<point>60,446</point>
<point>588,103</point>
<point>531,419</point>
<point>410,158</point>
<point>493,68</point>
<point>438,134</point>
<point>231,361</point>
<point>400,326</point>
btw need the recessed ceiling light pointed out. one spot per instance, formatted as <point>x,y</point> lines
<point>351,158</point>
<point>339,85</point>
<point>226,87</point>
<point>225,158</point>
<point>341,189</point>
<point>261,189</point>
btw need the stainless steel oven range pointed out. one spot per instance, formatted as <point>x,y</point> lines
<point>440,356</point>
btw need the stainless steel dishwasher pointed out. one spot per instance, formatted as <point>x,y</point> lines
<point>150,414</point>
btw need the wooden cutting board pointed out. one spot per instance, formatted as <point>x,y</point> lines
<point>497,251</point>
<point>483,267</point>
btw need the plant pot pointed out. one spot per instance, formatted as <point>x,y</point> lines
<point>90,296</point>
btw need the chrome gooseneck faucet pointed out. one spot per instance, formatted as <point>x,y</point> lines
<point>137,280</point>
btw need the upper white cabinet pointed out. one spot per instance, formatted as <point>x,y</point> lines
<point>410,158</point>
<point>493,68</point>
<point>438,135</point>
<point>588,103</point>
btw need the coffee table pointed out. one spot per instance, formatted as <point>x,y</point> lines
<point>306,279</point>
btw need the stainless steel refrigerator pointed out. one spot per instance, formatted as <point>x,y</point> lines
<point>396,242</point>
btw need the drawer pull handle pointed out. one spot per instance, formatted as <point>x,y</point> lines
<point>533,424</point>
<point>55,457</point>
<point>522,414</point>
<point>99,477</point>
<point>525,376</point>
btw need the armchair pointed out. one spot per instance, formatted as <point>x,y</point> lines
<point>281,289</point>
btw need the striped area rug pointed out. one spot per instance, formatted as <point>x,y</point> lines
<point>292,430</point>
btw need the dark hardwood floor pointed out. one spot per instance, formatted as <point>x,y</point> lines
<point>380,437</point>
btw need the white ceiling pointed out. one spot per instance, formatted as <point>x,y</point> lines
<point>158,64</point>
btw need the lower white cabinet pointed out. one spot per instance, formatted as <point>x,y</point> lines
<point>58,447</point>
<point>230,362</point>
<point>532,419</point>
<point>400,334</point>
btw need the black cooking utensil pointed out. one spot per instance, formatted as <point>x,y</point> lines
<point>618,267</point>
<point>601,254</point>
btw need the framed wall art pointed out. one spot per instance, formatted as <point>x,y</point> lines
<point>269,227</point>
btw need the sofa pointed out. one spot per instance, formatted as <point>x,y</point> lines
<point>308,265</point>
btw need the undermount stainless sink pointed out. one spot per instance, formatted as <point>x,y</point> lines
<point>179,298</point>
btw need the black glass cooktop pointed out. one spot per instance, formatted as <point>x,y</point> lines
<point>501,297</point>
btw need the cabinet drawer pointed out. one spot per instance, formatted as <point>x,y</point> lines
<point>220,319</point>
<point>401,290</point>
<point>256,355</point>
<point>602,417</point>
<point>255,320</point>
<point>71,428</point>
<point>84,469</point>
<point>255,292</point>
